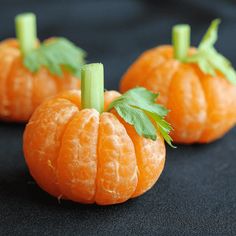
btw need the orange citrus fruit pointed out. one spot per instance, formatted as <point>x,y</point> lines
<point>22,91</point>
<point>202,107</point>
<point>87,157</point>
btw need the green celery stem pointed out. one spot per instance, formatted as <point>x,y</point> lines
<point>181,41</point>
<point>26,31</point>
<point>92,86</point>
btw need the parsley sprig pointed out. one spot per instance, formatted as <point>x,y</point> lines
<point>56,54</point>
<point>138,107</point>
<point>208,59</point>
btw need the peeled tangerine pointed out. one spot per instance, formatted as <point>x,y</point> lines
<point>202,105</point>
<point>22,90</point>
<point>87,157</point>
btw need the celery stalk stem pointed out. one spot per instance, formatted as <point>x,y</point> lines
<point>26,31</point>
<point>92,86</point>
<point>181,41</point>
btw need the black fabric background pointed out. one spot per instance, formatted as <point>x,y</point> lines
<point>196,194</point>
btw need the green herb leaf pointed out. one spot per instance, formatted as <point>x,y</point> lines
<point>208,59</point>
<point>138,107</point>
<point>54,55</point>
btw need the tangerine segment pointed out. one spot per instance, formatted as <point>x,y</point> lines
<point>77,162</point>
<point>9,43</point>
<point>43,86</point>
<point>143,66</point>
<point>117,167</point>
<point>20,84</point>
<point>221,97</point>
<point>42,140</point>
<point>155,82</point>
<point>109,97</point>
<point>150,156</point>
<point>187,104</point>
<point>7,55</point>
<point>73,95</point>
<point>68,82</point>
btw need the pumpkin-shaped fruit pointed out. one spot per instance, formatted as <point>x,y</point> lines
<point>31,72</point>
<point>77,150</point>
<point>196,85</point>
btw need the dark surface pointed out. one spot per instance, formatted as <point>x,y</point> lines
<point>196,194</point>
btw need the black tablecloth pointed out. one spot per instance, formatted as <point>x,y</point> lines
<point>196,194</point>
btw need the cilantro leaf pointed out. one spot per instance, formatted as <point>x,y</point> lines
<point>138,107</point>
<point>54,55</point>
<point>208,59</point>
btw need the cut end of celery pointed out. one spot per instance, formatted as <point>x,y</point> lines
<point>181,40</point>
<point>92,86</point>
<point>25,24</point>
